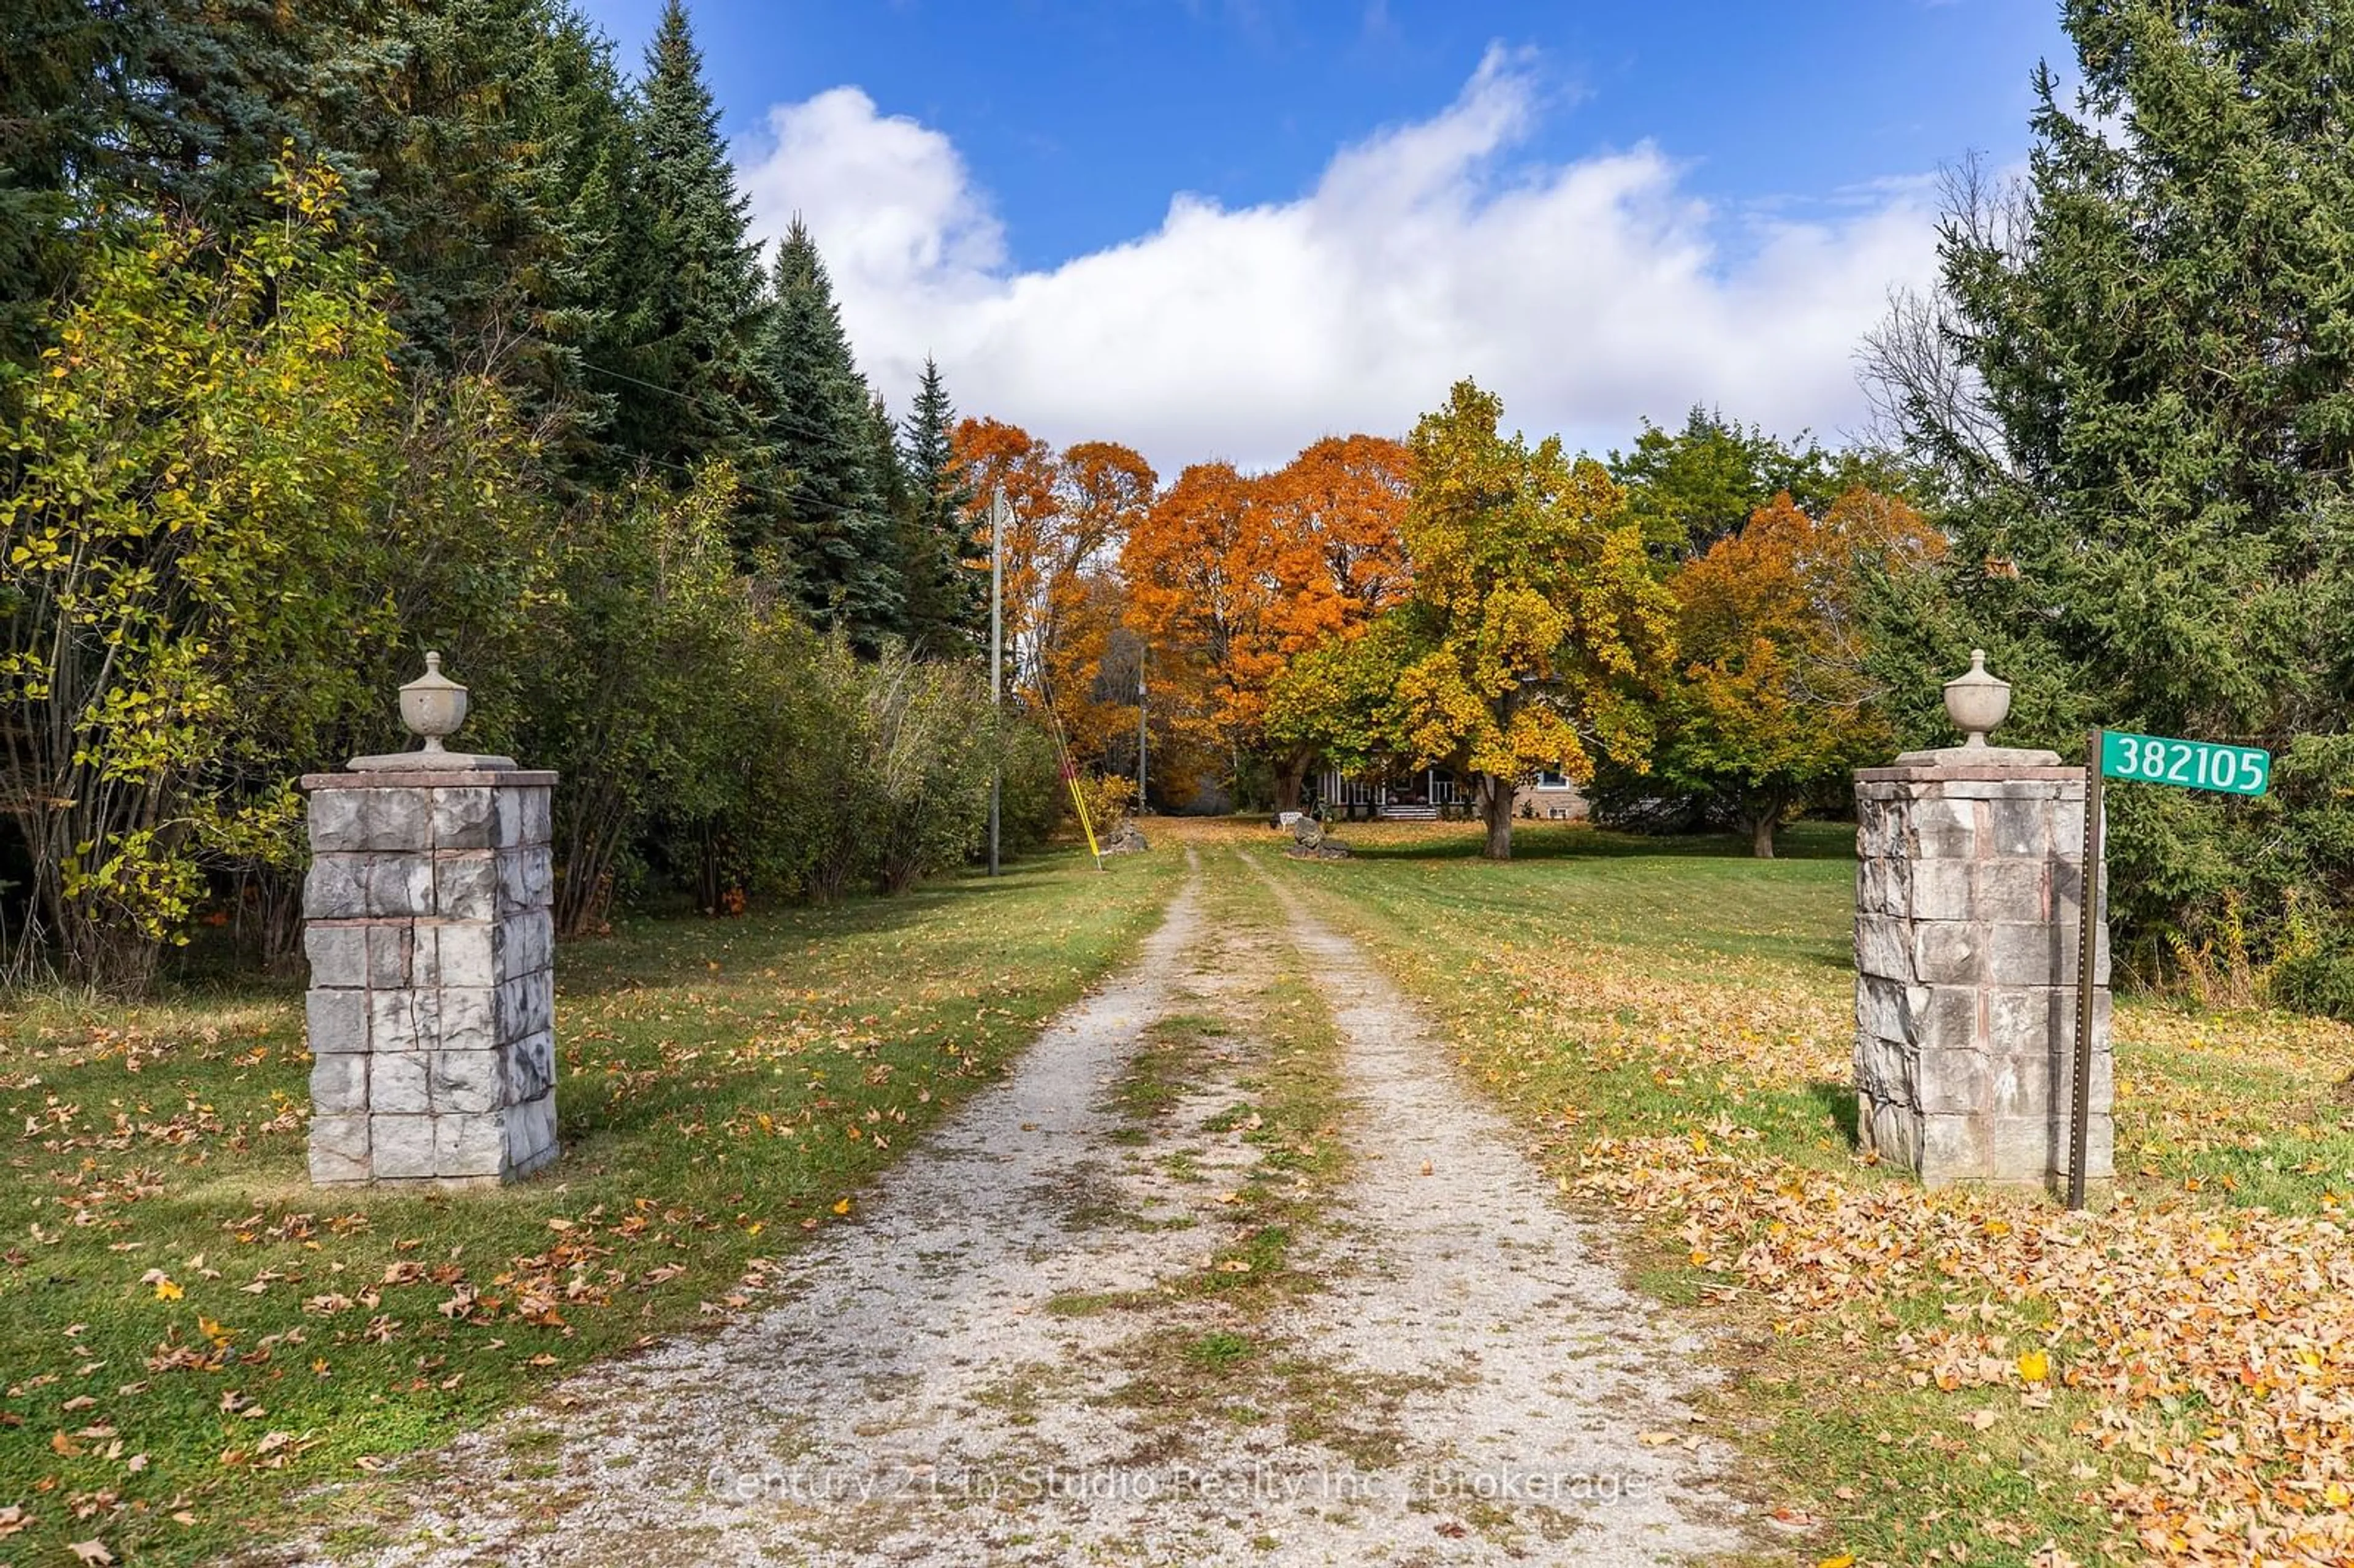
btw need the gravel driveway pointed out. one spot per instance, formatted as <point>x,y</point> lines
<point>1457,1376</point>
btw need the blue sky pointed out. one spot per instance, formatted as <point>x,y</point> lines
<point>1034,189</point>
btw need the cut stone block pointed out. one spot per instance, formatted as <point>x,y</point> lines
<point>404,1021</point>
<point>335,888</point>
<point>530,1065</point>
<point>2013,890</point>
<point>470,1146</point>
<point>399,1086</point>
<point>468,1082</point>
<point>402,1146</point>
<point>1955,1148</point>
<point>399,886</point>
<point>1949,952</point>
<point>465,818</point>
<point>337,822</point>
<point>335,1020</point>
<point>338,954</point>
<point>392,946</point>
<point>465,884</point>
<point>339,1085</point>
<point>397,820</point>
<point>1881,946</point>
<point>339,1148</point>
<point>1940,828</point>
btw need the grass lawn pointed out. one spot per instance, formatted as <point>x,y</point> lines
<point>1963,1376</point>
<point>190,1333</point>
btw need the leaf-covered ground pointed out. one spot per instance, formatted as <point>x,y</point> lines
<point>1957,1377</point>
<point>189,1332</point>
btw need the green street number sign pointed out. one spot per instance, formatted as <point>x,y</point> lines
<point>2190,764</point>
<point>2143,759</point>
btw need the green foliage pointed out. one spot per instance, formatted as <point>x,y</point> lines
<point>831,519</point>
<point>686,291</point>
<point>1034,800</point>
<point>409,327</point>
<point>648,618</point>
<point>49,128</point>
<point>1548,633</point>
<point>1339,699</point>
<point>946,601</point>
<point>497,152</point>
<point>1690,488</point>
<point>885,767</point>
<point>1774,697</point>
<point>2147,422</point>
<point>186,491</point>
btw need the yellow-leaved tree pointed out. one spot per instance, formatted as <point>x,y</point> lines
<point>1546,635</point>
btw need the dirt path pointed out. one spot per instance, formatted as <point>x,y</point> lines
<point>1017,1355</point>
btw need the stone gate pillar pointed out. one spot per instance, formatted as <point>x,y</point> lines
<point>428,923</point>
<point>1969,870</point>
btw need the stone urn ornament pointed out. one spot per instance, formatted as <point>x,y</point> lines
<point>432,706</point>
<point>1976,702</point>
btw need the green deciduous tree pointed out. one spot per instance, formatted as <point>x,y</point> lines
<point>188,487</point>
<point>1691,487</point>
<point>1773,696</point>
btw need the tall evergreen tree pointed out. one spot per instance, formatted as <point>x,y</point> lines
<point>689,283</point>
<point>494,161</point>
<point>2140,376</point>
<point>948,605</point>
<point>54,60</point>
<point>837,535</point>
<point>205,95</point>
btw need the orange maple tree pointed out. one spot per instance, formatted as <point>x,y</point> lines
<point>1231,578</point>
<point>1773,697</point>
<point>1063,602</point>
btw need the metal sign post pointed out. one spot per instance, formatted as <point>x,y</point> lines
<point>2088,936</point>
<point>2245,770</point>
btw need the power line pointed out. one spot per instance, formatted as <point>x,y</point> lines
<point>781,415</point>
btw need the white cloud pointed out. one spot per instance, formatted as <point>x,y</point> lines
<point>1587,294</point>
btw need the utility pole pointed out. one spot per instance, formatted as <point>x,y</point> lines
<point>1140,729</point>
<point>996,662</point>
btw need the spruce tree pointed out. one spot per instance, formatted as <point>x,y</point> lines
<point>54,113</point>
<point>2151,435</point>
<point>688,291</point>
<point>948,604</point>
<point>206,95</point>
<point>489,191</point>
<point>829,511</point>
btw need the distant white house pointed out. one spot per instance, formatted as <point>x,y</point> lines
<point>1429,793</point>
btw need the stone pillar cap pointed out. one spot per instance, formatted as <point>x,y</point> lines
<point>1980,757</point>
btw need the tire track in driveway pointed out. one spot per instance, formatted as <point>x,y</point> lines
<point>1562,1380</point>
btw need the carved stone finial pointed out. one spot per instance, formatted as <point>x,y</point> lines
<point>1976,702</point>
<point>432,705</point>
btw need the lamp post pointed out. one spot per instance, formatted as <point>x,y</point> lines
<point>1140,731</point>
